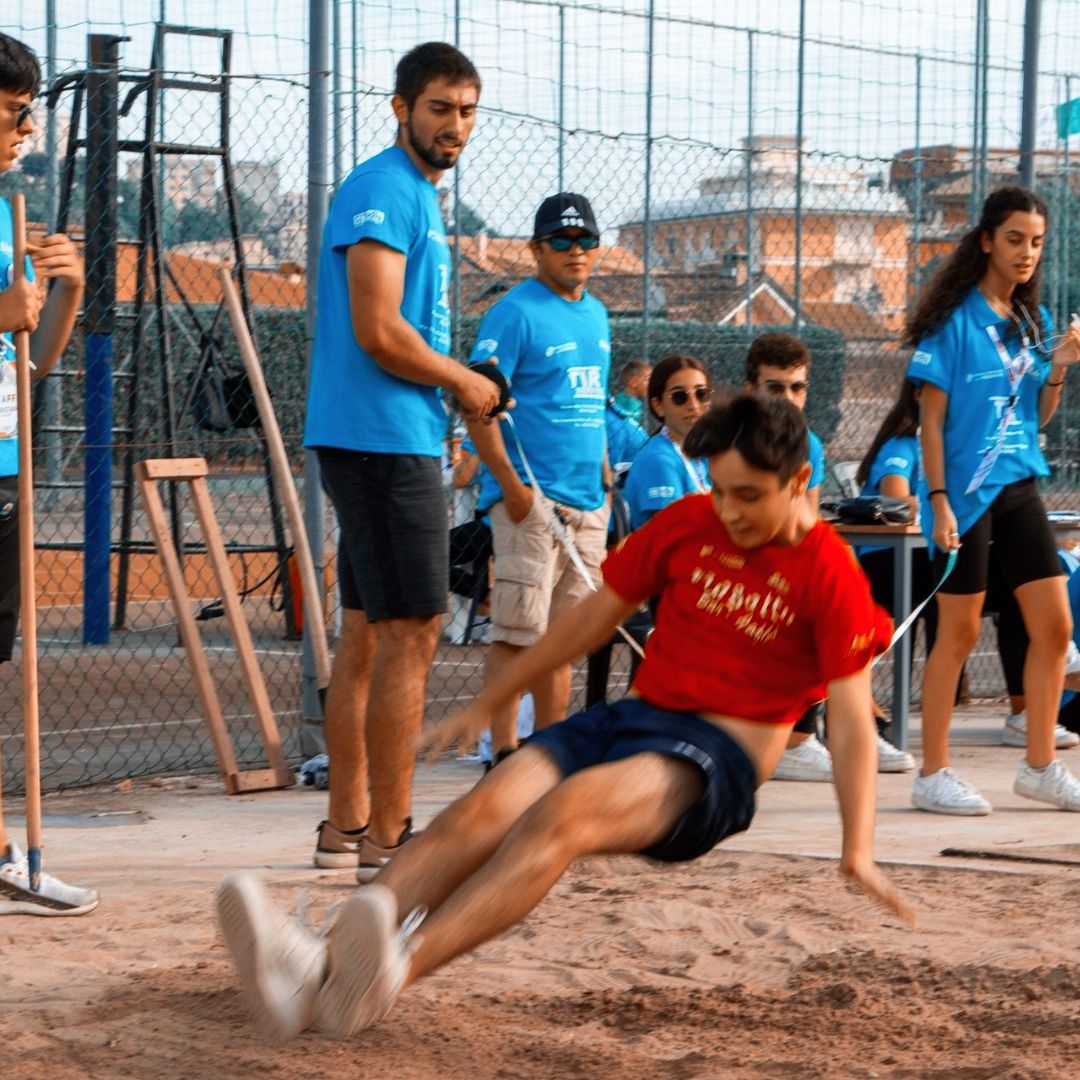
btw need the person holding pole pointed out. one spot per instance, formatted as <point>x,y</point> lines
<point>376,421</point>
<point>25,311</point>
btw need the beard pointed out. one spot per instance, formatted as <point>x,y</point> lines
<point>431,154</point>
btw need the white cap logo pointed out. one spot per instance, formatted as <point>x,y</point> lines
<point>571,217</point>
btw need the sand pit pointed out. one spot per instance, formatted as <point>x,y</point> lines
<point>745,964</point>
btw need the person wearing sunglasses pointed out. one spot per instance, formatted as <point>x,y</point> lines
<point>991,372</point>
<point>23,307</point>
<point>552,342</point>
<point>679,392</point>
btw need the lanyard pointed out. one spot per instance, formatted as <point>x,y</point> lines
<point>695,476</point>
<point>1015,370</point>
<point>903,628</point>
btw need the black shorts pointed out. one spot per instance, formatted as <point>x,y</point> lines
<point>9,564</point>
<point>1013,530</point>
<point>393,552</point>
<point>611,731</point>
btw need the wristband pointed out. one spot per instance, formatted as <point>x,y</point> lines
<point>1048,383</point>
<point>937,491</point>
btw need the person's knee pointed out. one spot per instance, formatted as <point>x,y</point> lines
<point>956,637</point>
<point>1052,631</point>
<point>414,633</point>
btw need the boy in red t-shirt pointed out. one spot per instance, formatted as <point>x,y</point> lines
<point>763,611</point>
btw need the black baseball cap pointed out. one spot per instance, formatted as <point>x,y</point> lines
<point>564,211</point>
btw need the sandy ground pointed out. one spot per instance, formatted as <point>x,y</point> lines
<point>756,961</point>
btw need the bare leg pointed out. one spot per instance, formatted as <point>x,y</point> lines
<point>404,649</point>
<point>428,869</point>
<point>552,697</point>
<point>958,630</point>
<point>346,707</point>
<point>623,806</point>
<point>504,722</point>
<point>1045,607</point>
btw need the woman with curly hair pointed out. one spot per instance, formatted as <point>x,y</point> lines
<point>991,374</point>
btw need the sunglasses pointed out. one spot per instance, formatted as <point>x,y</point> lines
<point>680,396</point>
<point>23,115</point>
<point>565,243</point>
<point>776,387</point>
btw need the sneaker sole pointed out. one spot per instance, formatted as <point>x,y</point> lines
<point>955,811</point>
<point>895,766</point>
<point>811,778</point>
<point>31,907</point>
<point>1047,802</point>
<point>367,873</point>
<point>240,907</point>
<point>358,950</point>
<point>1020,741</point>
<point>336,860</point>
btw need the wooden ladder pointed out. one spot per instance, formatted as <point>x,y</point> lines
<point>194,471</point>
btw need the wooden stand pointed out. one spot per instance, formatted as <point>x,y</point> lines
<point>194,471</point>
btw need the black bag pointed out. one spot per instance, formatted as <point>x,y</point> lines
<point>220,401</point>
<point>871,510</point>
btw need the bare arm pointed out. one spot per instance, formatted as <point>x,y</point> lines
<point>577,631</point>
<point>854,751</point>
<point>894,486</point>
<point>376,279</point>
<point>1066,354</point>
<point>56,259</point>
<point>933,404</point>
<point>490,445</point>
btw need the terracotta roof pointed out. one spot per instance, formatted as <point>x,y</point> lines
<point>853,319</point>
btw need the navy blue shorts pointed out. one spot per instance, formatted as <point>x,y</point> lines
<point>393,554</point>
<point>611,731</point>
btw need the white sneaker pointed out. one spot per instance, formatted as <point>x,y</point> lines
<point>1014,733</point>
<point>52,897</point>
<point>891,759</point>
<point>944,792</point>
<point>367,961</point>
<point>810,760</point>
<point>1054,785</point>
<point>280,963</point>
<point>1072,659</point>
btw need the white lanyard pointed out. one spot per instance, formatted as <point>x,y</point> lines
<point>1015,370</point>
<point>695,477</point>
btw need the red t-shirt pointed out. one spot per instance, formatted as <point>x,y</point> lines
<point>755,634</point>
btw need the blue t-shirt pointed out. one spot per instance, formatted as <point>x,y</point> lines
<point>962,359</point>
<point>898,456</point>
<point>556,355</point>
<point>353,403</point>
<point>817,461</point>
<point>625,436</point>
<point>9,396</point>
<point>658,477</point>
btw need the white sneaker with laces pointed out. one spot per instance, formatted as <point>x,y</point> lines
<point>891,759</point>
<point>367,961</point>
<point>280,963</point>
<point>1053,784</point>
<point>810,760</point>
<point>51,898</point>
<point>944,792</point>
<point>1072,659</point>
<point>1014,733</point>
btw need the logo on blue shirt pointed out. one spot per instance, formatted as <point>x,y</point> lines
<point>374,217</point>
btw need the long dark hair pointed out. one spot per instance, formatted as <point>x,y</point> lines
<point>965,267</point>
<point>665,369</point>
<point>902,419</point>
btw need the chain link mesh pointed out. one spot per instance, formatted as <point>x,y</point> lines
<point>746,175</point>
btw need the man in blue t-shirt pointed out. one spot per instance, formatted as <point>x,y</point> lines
<point>377,422</point>
<point>23,307</point>
<point>553,344</point>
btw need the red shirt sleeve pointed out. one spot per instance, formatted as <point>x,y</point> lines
<point>636,568</point>
<point>850,629</point>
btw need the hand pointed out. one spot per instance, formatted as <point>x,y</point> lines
<point>865,873</point>
<point>20,307</point>
<point>464,727</point>
<point>56,258</point>
<point>945,535</point>
<point>518,501</point>
<point>1067,351</point>
<point>477,396</point>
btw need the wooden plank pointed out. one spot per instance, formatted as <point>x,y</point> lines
<point>172,468</point>
<point>259,780</point>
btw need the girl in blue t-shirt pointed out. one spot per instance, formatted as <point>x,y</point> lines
<point>679,392</point>
<point>991,374</point>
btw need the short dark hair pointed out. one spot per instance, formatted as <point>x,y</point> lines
<point>665,369</point>
<point>770,433</point>
<point>630,369</point>
<point>775,350</point>
<point>428,62</point>
<point>20,72</point>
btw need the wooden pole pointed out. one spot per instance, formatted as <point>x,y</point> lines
<point>27,586</point>
<point>314,616</point>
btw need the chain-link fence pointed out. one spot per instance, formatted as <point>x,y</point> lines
<point>780,165</point>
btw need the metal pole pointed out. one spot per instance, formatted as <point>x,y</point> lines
<point>355,84</point>
<point>51,388</point>
<point>1065,276</point>
<point>973,198</point>
<point>102,93</point>
<point>317,201</point>
<point>799,167</point>
<point>647,232</point>
<point>562,90</point>
<point>455,315</point>
<point>984,105</point>
<point>335,92</point>
<point>1030,99</point>
<point>917,173</point>
<point>748,225</point>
